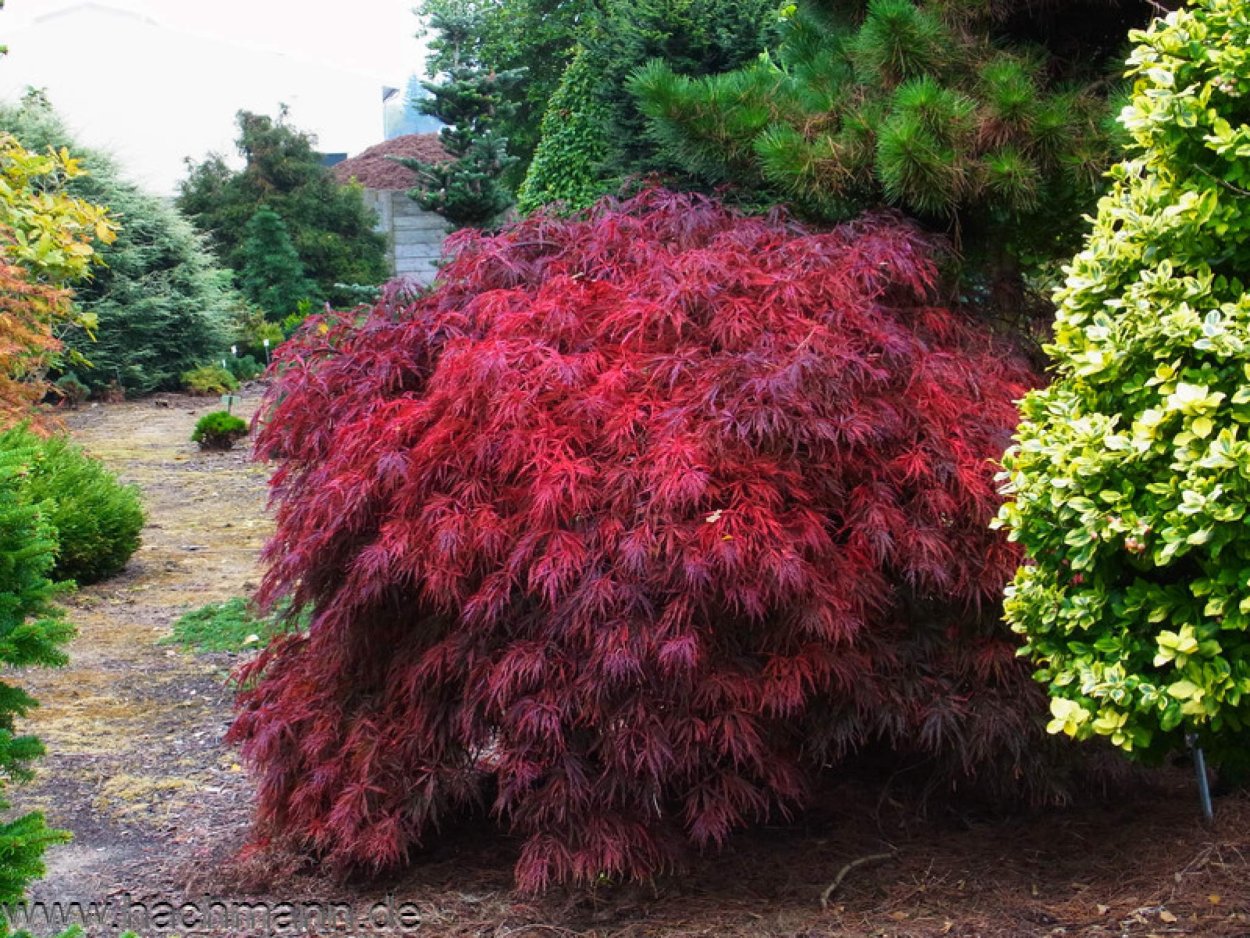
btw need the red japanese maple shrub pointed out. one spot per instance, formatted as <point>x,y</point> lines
<point>626,528</point>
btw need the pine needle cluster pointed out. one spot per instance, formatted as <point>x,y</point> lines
<point>961,113</point>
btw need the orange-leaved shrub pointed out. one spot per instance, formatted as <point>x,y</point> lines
<point>626,529</point>
<point>28,309</point>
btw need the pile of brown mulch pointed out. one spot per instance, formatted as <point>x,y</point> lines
<point>374,169</point>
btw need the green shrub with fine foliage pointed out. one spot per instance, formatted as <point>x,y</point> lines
<point>209,380</point>
<point>95,519</point>
<point>218,430</point>
<point>1130,477</point>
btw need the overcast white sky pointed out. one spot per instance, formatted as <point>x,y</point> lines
<point>157,80</point>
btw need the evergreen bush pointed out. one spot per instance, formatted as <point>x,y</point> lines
<point>328,223</point>
<point>209,380</point>
<point>1130,477</point>
<point>246,368</point>
<point>94,519</point>
<point>218,430</point>
<point>593,133</point>
<point>252,329</point>
<point>71,390</point>
<point>32,632</point>
<point>974,117</point>
<point>629,526</point>
<point>158,305</point>
<point>569,165</point>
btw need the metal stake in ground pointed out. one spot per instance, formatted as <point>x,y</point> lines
<point>1204,784</point>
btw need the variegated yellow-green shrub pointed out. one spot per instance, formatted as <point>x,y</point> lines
<point>1130,477</point>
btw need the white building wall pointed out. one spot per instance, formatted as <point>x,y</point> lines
<point>153,95</point>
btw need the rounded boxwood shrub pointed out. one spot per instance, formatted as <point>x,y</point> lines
<point>97,520</point>
<point>1131,474</point>
<point>219,430</point>
<point>630,526</point>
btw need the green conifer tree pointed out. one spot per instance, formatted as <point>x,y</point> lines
<point>32,632</point>
<point>593,133</point>
<point>470,100</point>
<point>538,36</point>
<point>272,276</point>
<point>569,164</point>
<point>329,224</point>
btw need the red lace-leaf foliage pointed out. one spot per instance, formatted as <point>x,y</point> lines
<point>627,528</point>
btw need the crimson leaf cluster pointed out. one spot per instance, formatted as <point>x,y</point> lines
<point>625,529</point>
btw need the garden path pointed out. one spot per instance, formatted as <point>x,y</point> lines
<point>135,768</point>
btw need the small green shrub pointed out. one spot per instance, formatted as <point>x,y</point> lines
<point>252,329</point>
<point>72,390</point>
<point>209,380</point>
<point>246,368</point>
<point>1131,474</point>
<point>96,519</point>
<point>218,430</point>
<point>272,275</point>
<point>231,626</point>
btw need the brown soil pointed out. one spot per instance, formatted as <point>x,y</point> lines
<point>159,809</point>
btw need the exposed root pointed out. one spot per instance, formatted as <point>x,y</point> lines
<point>853,865</point>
